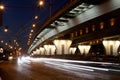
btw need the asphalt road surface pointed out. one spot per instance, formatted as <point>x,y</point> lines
<point>55,69</point>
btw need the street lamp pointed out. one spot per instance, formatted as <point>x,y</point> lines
<point>32,30</point>
<point>5,29</point>
<point>50,8</point>
<point>2,7</point>
<point>36,17</point>
<point>41,2</point>
<point>2,41</point>
<point>33,25</point>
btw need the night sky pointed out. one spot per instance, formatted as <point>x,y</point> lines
<point>18,15</point>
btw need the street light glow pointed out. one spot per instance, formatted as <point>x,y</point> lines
<point>32,30</point>
<point>30,34</point>
<point>5,30</point>
<point>36,17</point>
<point>2,7</point>
<point>2,41</point>
<point>41,2</point>
<point>11,47</point>
<point>33,25</point>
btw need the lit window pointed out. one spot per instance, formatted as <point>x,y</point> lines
<point>93,27</point>
<point>72,35</point>
<point>81,32</point>
<point>76,34</point>
<point>112,22</point>
<point>101,25</point>
<point>86,29</point>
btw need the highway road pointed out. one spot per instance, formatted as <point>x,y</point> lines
<point>27,68</point>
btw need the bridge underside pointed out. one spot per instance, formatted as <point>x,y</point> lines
<point>93,32</point>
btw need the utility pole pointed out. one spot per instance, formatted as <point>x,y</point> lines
<point>50,8</point>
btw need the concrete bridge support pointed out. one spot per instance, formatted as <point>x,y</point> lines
<point>62,46</point>
<point>37,51</point>
<point>50,49</point>
<point>84,49</point>
<point>111,47</point>
<point>72,50</point>
<point>42,50</point>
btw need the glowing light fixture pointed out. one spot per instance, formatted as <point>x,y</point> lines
<point>41,2</point>
<point>33,25</point>
<point>20,48</point>
<point>11,47</point>
<point>6,29</point>
<point>1,50</point>
<point>2,41</point>
<point>32,31</point>
<point>36,17</point>
<point>6,43</point>
<point>30,34</point>
<point>2,7</point>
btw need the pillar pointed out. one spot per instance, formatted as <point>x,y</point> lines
<point>47,50</point>
<point>50,49</point>
<point>42,50</point>
<point>34,52</point>
<point>111,47</point>
<point>62,46</point>
<point>84,49</point>
<point>72,50</point>
<point>53,48</point>
<point>37,51</point>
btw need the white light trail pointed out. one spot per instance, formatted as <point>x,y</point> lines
<point>71,64</point>
<point>68,66</point>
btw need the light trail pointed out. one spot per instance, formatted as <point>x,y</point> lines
<point>70,67</point>
<point>75,61</point>
<point>71,64</point>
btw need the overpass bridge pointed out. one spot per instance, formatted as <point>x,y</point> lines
<point>81,27</point>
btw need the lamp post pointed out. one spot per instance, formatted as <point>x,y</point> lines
<point>6,29</point>
<point>50,8</point>
<point>1,9</point>
<point>41,3</point>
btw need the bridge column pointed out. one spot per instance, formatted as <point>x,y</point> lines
<point>42,50</point>
<point>46,47</point>
<point>62,46</point>
<point>72,50</point>
<point>50,49</point>
<point>111,47</point>
<point>53,48</point>
<point>37,51</point>
<point>84,49</point>
<point>34,52</point>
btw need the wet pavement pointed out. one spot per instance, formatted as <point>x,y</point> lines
<point>50,69</point>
